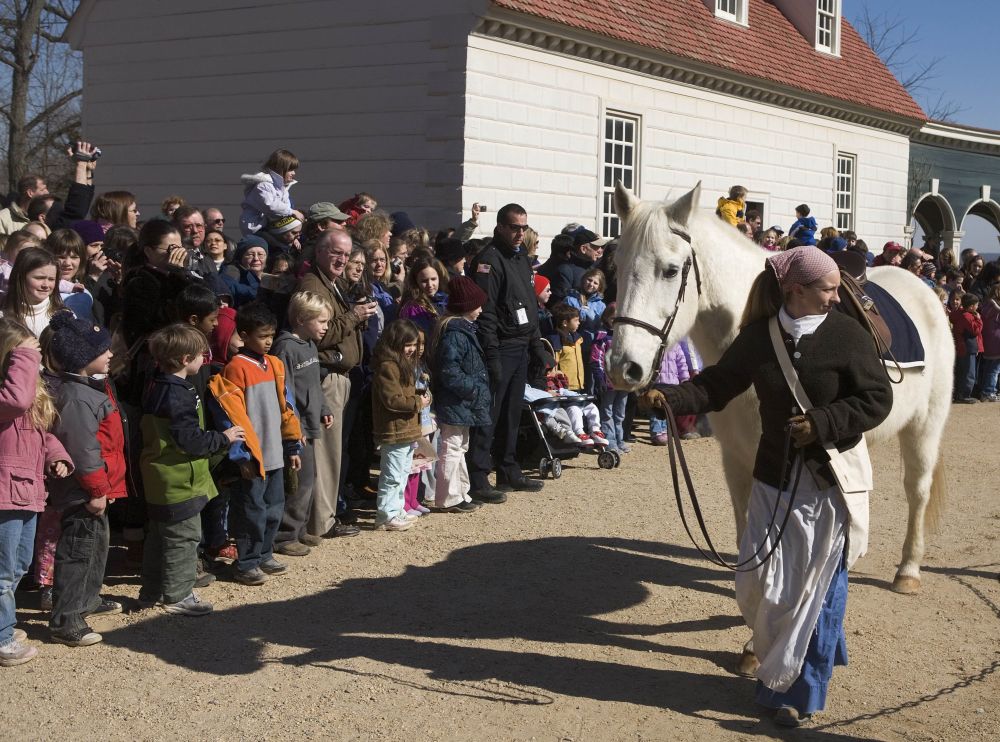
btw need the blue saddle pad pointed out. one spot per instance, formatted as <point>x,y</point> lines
<point>906,346</point>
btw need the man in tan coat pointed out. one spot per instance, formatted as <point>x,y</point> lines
<point>339,352</point>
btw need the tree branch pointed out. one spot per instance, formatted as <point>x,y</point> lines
<point>58,11</point>
<point>70,126</point>
<point>52,108</point>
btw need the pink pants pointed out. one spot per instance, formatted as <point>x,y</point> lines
<point>410,501</point>
<point>46,538</point>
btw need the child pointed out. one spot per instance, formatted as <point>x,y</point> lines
<point>543,292</point>
<point>31,298</point>
<point>569,360</point>
<point>420,467</point>
<point>395,419</point>
<point>990,312</point>
<point>461,391</point>
<point>589,300</point>
<point>967,329</point>
<point>251,392</point>
<point>265,194</point>
<point>27,453</point>
<point>613,401</point>
<point>674,369</point>
<point>309,316</point>
<point>356,207</point>
<point>804,227</point>
<point>422,301</point>
<point>197,306</point>
<point>175,471</point>
<point>90,427</point>
<point>70,252</point>
<point>732,209</point>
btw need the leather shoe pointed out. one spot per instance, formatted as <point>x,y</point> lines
<point>342,529</point>
<point>520,485</point>
<point>489,495</point>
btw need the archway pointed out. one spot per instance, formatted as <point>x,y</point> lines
<point>934,215</point>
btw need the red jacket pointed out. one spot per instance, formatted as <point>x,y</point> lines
<point>966,328</point>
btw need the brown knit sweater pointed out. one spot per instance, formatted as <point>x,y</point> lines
<point>839,371</point>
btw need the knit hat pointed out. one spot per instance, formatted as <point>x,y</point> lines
<point>401,222</point>
<point>218,342</point>
<point>89,231</point>
<point>326,210</point>
<point>284,224</point>
<point>801,265</point>
<point>464,295</point>
<point>449,251</point>
<point>541,283</point>
<point>251,240</point>
<point>76,342</point>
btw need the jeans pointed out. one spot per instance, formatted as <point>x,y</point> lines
<point>214,516</point>
<point>965,375</point>
<point>990,371</point>
<point>397,458</point>
<point>613,416</point>
<point>81,556</point>
<point>254,516</point>
<point>298,498</point>
<point>170,559</point>
<point>497,442</point>
<point>17,540</point>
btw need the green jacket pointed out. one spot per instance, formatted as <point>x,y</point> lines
<point>176,450</point>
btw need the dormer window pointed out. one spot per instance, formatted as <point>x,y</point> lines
<point>731,10</point>
<point>828,26</point>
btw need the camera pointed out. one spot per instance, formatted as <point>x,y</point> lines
<point>396,265</point>
<point>79,156</point>
<point>363,300</point>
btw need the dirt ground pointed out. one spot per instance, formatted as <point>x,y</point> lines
<point>580,613</point>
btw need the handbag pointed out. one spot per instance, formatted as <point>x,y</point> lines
<point>851,468</point>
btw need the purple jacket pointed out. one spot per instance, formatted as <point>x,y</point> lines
<point>989,310</point>
<point>674,367</point>
<point>24,451</point>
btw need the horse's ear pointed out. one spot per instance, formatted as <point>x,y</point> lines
<point>625,201</point>
<point>685,206</point>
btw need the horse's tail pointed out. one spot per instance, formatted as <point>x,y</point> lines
<point>936,503</point>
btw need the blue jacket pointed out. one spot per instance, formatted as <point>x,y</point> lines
<point>461,383</point>
<point>590,315</point>
<point>804,230</point>
<point>243,290</point>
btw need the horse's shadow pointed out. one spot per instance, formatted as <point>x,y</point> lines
<point>551,591</point>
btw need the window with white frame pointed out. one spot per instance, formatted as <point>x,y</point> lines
<point>732,10</point>
<point>827,26</point>
<point>846,183</point>
<point>621,162</point>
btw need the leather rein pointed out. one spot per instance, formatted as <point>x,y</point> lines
<point>676,453</point>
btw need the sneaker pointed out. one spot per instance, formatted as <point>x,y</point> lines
<point>192,605</point>
<point>660,439</point>
<point>690,435</point>
<point>15,653</point>
<point>625,448</point>
<point>293,549</point>
<point>599,438</point>
<point>422,509</point>
<point>342,529</point>
<point>106,608</point>
<point>226,552</point>
<point>79,638</point>
<point>521,485</point>
<point>45,598</point>
<point>411,515</point>
<point>20,635</point>
<point>310,540</point>
<point>252,577</point>
<point>396,524</point>
<point>204,579</point>
<point>273,567</point>
<point>585,440</point>
<point>571,437</point>
<point>967,400</point>
<point>489,495</point>
<point>462,507</point>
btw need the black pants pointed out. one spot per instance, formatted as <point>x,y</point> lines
<point>496,443</point>
<point>351,410</point>
<point>81,556</point>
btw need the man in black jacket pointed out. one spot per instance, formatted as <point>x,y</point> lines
<point>508,332</point>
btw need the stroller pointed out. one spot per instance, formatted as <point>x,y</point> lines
<point>539,447</point>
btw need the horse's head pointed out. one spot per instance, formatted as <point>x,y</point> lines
<point>657,297</point>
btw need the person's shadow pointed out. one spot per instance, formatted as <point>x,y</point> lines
<point>551,591</point>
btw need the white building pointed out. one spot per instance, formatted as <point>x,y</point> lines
<point>436,104</point>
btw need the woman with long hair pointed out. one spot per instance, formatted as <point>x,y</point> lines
<point>115,209</point>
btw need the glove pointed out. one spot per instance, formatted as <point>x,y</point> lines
<point>652,399</point>
<point>540,356</point>
<point>802,430</point>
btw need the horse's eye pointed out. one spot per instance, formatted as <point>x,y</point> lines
<point>671,271</point>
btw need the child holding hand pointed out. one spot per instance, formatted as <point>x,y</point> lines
<point>175,470</point>
<point>28,451</point>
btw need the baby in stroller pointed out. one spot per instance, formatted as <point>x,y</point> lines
<point>567,421</point>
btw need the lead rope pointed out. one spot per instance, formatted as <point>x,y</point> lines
<point>676,454</point>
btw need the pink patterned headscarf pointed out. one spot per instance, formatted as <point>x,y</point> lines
<point>801,265</point>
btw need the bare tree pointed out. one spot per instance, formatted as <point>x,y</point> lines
<point>42,111</point>
<point>901,49</point>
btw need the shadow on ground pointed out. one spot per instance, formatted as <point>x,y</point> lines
<point>550,590</point>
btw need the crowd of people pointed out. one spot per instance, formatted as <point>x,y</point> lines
<point>967,286</point>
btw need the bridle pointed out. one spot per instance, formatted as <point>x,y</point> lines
<point>664,332</point>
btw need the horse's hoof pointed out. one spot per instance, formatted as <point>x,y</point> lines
<point>906,585</point>
<point>747,664</point>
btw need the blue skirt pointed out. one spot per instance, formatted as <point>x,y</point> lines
<point>827,648</point>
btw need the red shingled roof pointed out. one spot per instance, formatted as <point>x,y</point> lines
<point>771,49</point>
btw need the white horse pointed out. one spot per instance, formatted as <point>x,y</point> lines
<point>650,263</point>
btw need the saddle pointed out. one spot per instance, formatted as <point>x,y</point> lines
<point>854,302</point>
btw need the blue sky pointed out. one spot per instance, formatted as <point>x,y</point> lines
<point>963,34</point>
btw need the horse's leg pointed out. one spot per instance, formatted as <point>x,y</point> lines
<point>739,475</point>
<point>922,478</point>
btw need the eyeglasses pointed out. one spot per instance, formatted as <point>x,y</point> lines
<point>220,220</point>
<point>517,227</point>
